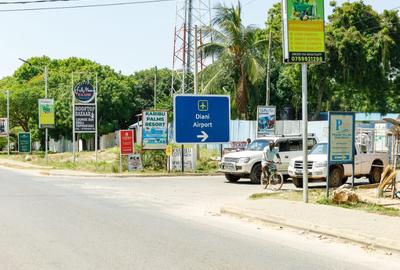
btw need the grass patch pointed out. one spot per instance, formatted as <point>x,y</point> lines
<point>317,196</point>
<point>108,161</point>
<point>313,195</point>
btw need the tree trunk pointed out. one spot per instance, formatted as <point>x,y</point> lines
<point>319,104</point>
<point>241,97</point>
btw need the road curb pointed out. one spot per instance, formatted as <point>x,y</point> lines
<point>359,237</point>
<point>127,176</point>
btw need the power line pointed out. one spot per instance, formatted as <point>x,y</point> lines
<point>36,2</point>
<point>86,6</point>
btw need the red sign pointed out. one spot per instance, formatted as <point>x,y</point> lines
<point>126,142</point>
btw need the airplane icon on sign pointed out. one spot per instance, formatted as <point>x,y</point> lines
<point>202,105</point>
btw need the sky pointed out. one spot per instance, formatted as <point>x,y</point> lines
<point>127,38</point>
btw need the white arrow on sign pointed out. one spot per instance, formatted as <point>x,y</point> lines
<point>203,136</point>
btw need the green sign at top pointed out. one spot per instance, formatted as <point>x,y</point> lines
<point>303,31</point>
<point>24,142</point>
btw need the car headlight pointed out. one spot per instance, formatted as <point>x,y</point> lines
<point>321,163</point>
<point>244,160</point>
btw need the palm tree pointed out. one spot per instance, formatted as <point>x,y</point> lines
<point>235,48</point>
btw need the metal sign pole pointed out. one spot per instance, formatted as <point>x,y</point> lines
<point>305,132</point>
<point>120,152</point>
<point>73,118</point>
<point>96,135</point>
<point>183,158</point>
<point>46,131</point>
<point>329,155</point>
<point>8,122</point>
<point>155,87</point>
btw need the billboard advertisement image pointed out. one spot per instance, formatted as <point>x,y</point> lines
<point>266,120</point>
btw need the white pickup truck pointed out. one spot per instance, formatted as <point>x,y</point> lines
<point>366,164</point>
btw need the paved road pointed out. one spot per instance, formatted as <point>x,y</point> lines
<point>70,223</point>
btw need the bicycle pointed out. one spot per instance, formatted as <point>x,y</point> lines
<point>274,180</point>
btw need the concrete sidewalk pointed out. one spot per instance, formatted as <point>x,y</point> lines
<point>354,225</point>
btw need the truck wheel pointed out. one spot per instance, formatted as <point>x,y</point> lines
<point>298,182</point>
<point>344,180</point>
<point>335,177</point>
<point>375,175</point>
<point>255,174</point>
<point>232,178</point>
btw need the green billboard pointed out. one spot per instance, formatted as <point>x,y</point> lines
<point>303,31</point>
<point>24,142</point>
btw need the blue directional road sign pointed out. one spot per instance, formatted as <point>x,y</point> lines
<point>201,119</point>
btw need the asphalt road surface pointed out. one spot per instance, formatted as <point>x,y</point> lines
<point>72,223</point>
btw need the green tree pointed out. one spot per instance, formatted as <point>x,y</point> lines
<point>235,47</point>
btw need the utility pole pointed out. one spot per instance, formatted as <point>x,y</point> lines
<point>96,135</point>
<point>47,130</point>
<point>305,131</point>
<point>8,122</point>
<point>268,85</point>
<point>46,79</point>
<point>155,87</point>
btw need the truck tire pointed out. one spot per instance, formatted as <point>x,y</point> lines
<point>335,177</point>
<point>232,178</point>
<point>375,175</point>
<point>298,182</point>
<point>344,180</point>
<point>255,174</point>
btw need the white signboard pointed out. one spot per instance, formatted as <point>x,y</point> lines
<point>341,138</point>
<point>3,127</point>
<point>135,162</point>
<point>266,120</point>
<point>176,159</point>
<point>155,129</point>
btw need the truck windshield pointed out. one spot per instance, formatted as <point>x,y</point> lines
<point>258,145</point>
<point>320,149</point>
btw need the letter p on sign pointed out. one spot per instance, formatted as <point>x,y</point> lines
<point>339,123</point>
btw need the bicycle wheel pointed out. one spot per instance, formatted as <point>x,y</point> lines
<point>275,181</point>
<point>264,180</point>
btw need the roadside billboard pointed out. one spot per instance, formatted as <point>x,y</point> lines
<point>341,138</point>
<point>3,127</point>
<point>85,118</point>
<point>126,142</point>
<point>46,113</point>
<point>266,120</point>
<point>155,129</point>
<point>24,142</point>
<point>303,31</point>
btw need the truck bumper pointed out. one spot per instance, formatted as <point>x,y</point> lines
<point>314,173</point>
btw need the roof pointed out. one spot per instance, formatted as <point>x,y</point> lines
<point>277,136</point>
<point>374,117</point>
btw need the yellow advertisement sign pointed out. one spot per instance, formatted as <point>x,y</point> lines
<point>303,31</point>
<point>46,113</point>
